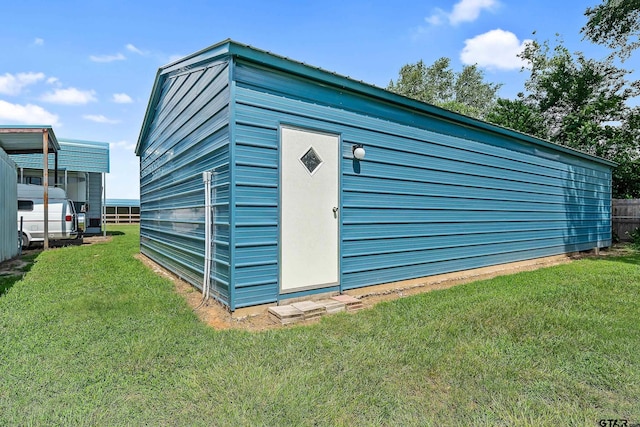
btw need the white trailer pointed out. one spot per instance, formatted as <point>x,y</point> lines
<point>63,220</point>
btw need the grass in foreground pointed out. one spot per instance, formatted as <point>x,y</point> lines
<point>91,337</point>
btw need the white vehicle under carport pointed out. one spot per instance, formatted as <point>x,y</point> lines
<point>63,220</point>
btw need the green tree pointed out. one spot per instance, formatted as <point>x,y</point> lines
<point>615,24</point>
<point>584,104</point>
<point>465,92</point>
<point>518,115</point>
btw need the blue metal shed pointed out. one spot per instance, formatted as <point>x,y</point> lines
<point>295,212</point>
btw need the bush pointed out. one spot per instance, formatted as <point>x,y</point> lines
<point>635,238</point>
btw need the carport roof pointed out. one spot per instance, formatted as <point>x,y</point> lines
<point>26,139</point>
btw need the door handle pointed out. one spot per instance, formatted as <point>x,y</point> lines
<point>335,212</point>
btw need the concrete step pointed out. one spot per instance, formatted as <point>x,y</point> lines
<point>332,306</point>
<point>285,314</point>
<point>351,303</point>
<point>310,309</point>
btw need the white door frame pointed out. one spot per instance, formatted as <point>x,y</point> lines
<point>334,282</point>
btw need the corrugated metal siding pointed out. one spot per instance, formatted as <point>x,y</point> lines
<point>95,200</point>
<point>256,204</point>
<point>189,134</point>
<point>430,197</point>
<point>74,155</point>
<point>8,207</point>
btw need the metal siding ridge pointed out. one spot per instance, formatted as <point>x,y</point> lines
<point>367,232</point>
<point>391,216</point>
<point>424,201</point>
<point>194,108</point>
<point>211,80</point>
<point>403,172</point>
<point>244,276</point>
<point>214,142</point>
<point>280,63</point>
<point>177,88</point>
<point>232,179</point>
<point>160,194</point>
<point>386,185</point>
<point>213,113</point>
<point>356,249</point>
<point>432,166</point>
<point>368,278</point>
<point>399,131</point>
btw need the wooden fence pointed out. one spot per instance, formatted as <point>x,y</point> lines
<point>625,217</point>
<point>122,215</point>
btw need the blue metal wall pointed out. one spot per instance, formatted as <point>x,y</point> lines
<point>8,207</point>
<point>431,196</point>
<point>188,134</point>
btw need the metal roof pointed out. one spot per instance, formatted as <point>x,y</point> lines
<point>122,202</point>
<point>229,48</point>
<point>75,155</point>
<point>23,139</point>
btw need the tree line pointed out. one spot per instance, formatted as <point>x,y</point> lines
<point>568,98</point>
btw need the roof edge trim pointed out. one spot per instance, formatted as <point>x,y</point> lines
<point>249,53</point>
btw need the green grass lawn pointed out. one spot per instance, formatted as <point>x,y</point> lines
<point>90,336</point>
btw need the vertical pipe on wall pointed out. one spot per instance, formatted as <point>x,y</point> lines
<point>212,216</point>
<point>206,178</point>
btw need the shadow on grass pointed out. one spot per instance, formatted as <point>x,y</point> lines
<point>13,271</point>
<point>627,259</point>
<point>6,282</point>
<point>115,233</point>
<point>628,256</point>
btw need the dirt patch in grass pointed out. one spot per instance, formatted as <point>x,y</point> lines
<point>13,267</point>
<point>90,240</point>
<point>219,317</point>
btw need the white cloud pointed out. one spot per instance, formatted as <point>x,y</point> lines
<point>108,58</point>
<point>132,48</point>
<point>469,10</point>
<point>38,41</point>
<point>99,118</point>
<point>12,84</point>
<point>70,96</point>
<point>436,18</point>
<point>121,98</point>
<point>26,114</point>
<point>53,81</point>
<point>125,145</point>
<point>497,49</point>
<point>463,11</point>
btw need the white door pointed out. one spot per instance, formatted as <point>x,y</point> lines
<point>309,209</point>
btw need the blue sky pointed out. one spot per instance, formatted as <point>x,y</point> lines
<point>87,67</point>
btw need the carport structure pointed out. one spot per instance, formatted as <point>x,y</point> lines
<point>33,139</point>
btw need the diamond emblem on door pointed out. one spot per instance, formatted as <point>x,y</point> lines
<point>311,160</point>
